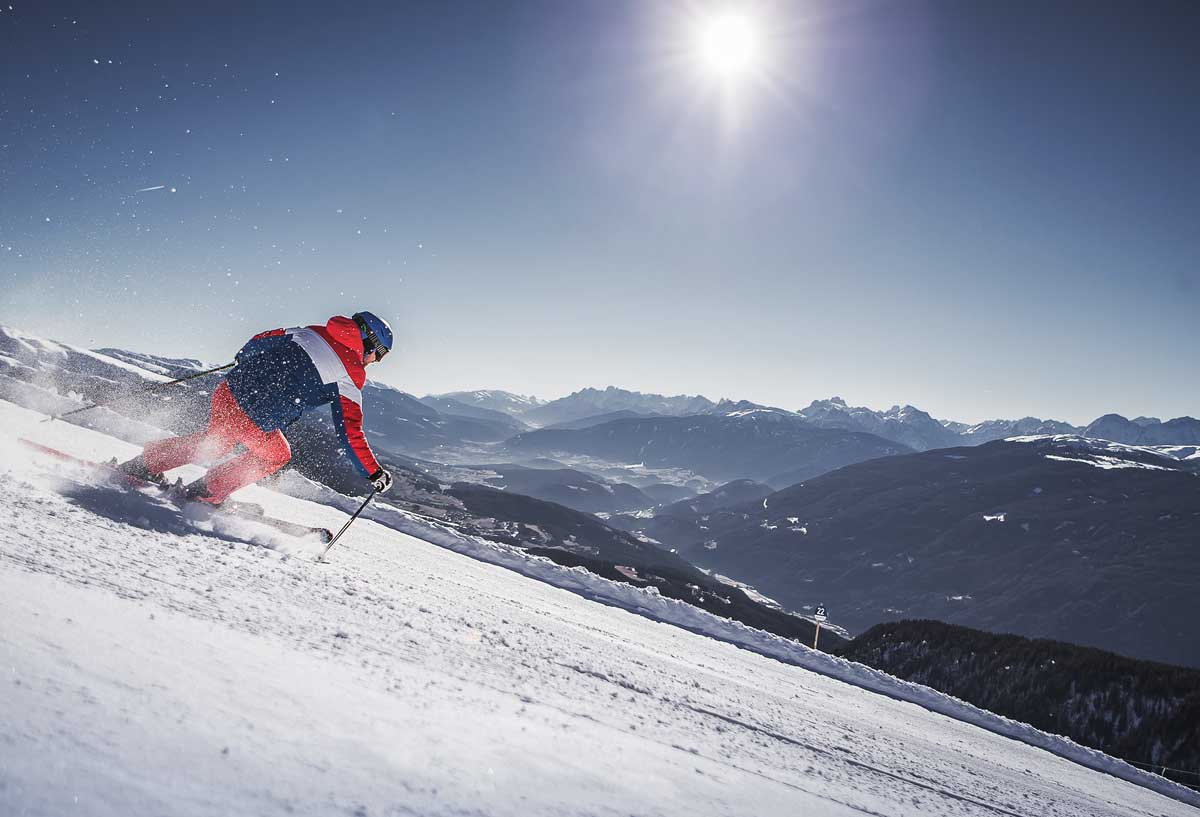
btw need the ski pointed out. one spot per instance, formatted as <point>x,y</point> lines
<point>242,510</point>
<point>254,513</point>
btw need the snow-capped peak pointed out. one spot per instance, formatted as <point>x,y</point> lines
<point>1106,453</point>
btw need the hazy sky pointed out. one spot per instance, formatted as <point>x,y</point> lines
<point>985,209</point>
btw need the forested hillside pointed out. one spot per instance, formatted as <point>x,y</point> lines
<point>1144,712</point>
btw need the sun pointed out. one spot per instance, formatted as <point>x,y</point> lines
<point>729,45</point>
<point>726,63</point>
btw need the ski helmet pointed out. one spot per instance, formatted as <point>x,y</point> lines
<point>376,334</point>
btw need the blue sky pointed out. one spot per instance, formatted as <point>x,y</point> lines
<point>983,209</point>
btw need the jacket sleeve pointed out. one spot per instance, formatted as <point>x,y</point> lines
<point>347,417</point>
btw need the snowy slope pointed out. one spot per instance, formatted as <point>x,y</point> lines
<point>1103,453</point>
<point>152,665</point>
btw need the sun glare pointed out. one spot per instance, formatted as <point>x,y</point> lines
<point>726,61</point>
<point>729,45</point>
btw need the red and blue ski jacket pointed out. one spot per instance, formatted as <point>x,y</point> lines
<point>283,373</point>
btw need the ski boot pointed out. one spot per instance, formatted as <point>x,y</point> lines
<point>197,492</point>
<point>137,469</point>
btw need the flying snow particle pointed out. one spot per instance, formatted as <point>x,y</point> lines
<point>95,61</point>
<point>148,189</point>
<point>173,190</point>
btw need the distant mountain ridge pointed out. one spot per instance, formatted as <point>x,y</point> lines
<point>990,430</point>
<point>1060,537</point>
<point>399,422</point>
<point>905,424</point>
<point>450,406</point>
<point>465,426</point>
<point>590,402</point>
<point>600,419</point>
<point>1145,430</point>
<point>765,445</point>
<point>918,430</point>
<point>494,399</point>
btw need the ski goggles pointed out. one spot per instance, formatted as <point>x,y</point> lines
<point>376,344</point>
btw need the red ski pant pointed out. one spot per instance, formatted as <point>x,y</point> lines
<point>228,426</point>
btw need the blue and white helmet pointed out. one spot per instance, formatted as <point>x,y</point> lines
<point>376,334</point>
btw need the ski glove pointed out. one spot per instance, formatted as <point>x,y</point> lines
<point>382,480</point>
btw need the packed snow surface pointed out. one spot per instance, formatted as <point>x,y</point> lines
<point>156,663</point>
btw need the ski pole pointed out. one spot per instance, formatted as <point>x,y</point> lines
<point>140,391</point>
<point>338,535</point>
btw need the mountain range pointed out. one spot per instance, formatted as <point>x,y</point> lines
<point>601,419</point>
<point>907,424</point>
<point>457,408</point>
<point>1051,537</point>
<point>1145,430</point>
<point>875,527</point>
<point>591,402</point>
<point>761,444</point>
<point>494,400</point>
<point>918,430</point>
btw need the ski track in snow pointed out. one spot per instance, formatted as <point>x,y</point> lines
<point>153,667</point>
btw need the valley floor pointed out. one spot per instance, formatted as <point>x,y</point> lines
<point>151,666</point>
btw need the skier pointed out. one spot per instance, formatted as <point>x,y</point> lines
<point>278,376</point>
